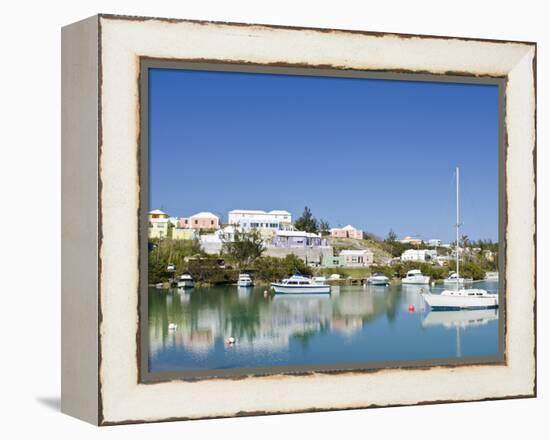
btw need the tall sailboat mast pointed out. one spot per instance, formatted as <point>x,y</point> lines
<point>457,225</point>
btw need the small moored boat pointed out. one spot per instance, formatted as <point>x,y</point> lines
<point>453,279</point>
<point>415,277</point>
<point>245,280</point>
<point>185,281</point>
<point>300,284</point>
<point>378,279</point>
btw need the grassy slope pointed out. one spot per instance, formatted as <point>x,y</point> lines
<point>350,243</point>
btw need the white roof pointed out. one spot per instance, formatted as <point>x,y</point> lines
<point>349,228</point>
<point>204,214</point>
<point>157,211</point>
<point>297,234</point>
<point>354,251</point>
<point>258,211</point>
<point>247,211</point>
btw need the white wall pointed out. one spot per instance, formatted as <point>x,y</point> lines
<point>29,178</point>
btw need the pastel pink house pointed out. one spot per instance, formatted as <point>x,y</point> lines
<point>347,232</point>
<point>201,220</point>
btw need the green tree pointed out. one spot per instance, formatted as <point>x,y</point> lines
<point>306,222</point>
<point>392,237</point>
<point>243,247</point>
<point>324,227</point>
<point>273,268</point>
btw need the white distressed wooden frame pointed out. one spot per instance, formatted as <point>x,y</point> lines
<point>100,223</point>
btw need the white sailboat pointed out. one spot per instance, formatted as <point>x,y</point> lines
<point>457,297</point>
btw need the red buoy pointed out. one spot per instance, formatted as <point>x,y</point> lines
<point>411,308</point>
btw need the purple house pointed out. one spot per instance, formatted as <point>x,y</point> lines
<point>297,239</point>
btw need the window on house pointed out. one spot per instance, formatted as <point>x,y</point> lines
<point>211,222</point>
<point>196,221</point>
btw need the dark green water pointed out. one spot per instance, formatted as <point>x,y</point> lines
<point>352,324</point>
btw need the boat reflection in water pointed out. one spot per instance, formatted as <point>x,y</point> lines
<point>460,320</point>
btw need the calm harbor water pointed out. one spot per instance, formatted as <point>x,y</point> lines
<point>352,324</point>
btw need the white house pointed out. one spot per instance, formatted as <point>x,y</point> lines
<point>357,258</point>
<point>212,243</point>
<point>267,227</point>
<point>235,216</point>
<point>435,242</point>
<point>418,255</point>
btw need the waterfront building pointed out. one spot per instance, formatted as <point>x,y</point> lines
<point>276,216</point>
<point>419,255</point>
<point>347,232</point>
<point>333,261</point>
<point>357,257</point>
<point>201,220</point>
<point>160,225</point>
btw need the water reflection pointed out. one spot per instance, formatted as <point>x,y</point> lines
<point>350,324</point>
<point>256,321</point>
<point>460,320</point>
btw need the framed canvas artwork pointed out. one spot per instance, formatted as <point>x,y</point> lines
<point>337,219</point>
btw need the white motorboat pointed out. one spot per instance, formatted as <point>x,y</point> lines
<point>185,281</point>
<point>245,280</point>
<point>457,297</point>
<point>378,279</point>
<point>300,284</point>
<point>453,278</point>
<point>415,277</point>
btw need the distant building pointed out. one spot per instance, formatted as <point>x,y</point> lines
<point>267,227</point>
<point>212,243</point>
<point>411,240</point>
<point>184,234</point>
<point>282,217</point>
<point>333,261</point>
<point>489,255</point>
<point>435,242</point>
<point>201,220</point>
<point>347,232</point>
<point>160,225</point>
<point>357,258</point>
<point>297,239</point>
<point>419,255</point>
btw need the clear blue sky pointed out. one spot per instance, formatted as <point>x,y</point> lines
<point>374,153</point>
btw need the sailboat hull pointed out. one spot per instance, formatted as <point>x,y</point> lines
<point>459,302</point>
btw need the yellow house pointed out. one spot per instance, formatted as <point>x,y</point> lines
<point>160,225</point>
<point>184,234</point>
